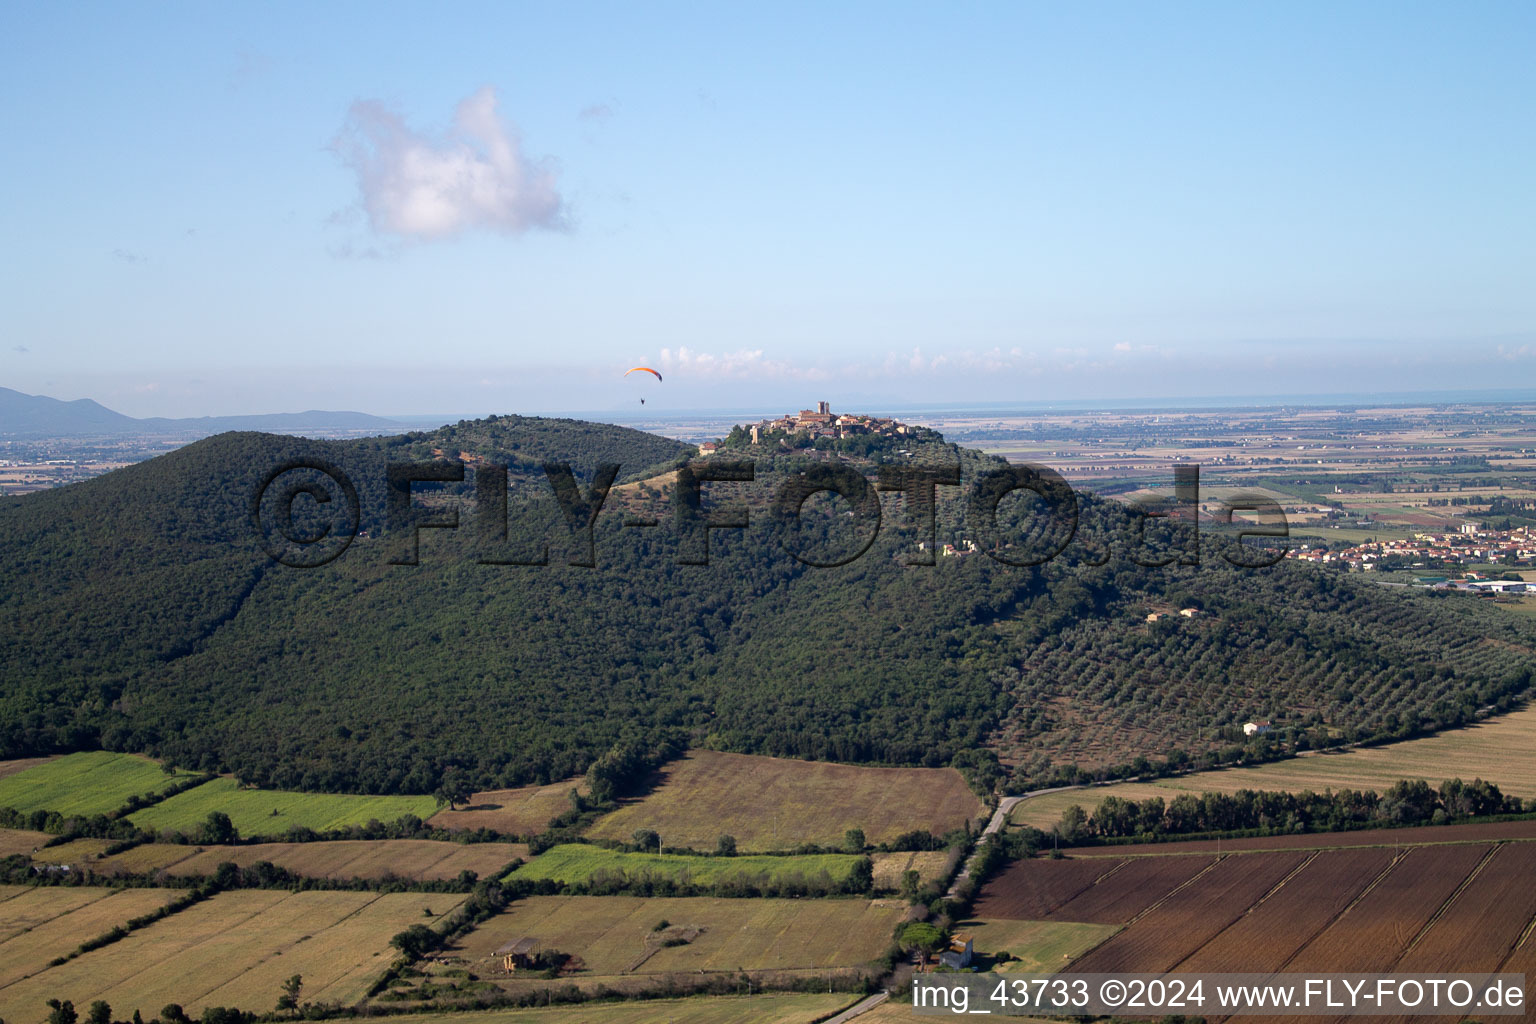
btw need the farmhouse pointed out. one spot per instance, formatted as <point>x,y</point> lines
<point>1255,728</point>
<point>959,953</point>
<point>518,953</point>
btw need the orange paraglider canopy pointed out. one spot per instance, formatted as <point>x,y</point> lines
<point>641,369</point>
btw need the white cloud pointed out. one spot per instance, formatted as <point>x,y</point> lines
<point>733,365</point>
<point>422,186</point>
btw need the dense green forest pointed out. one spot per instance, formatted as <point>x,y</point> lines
<point>142,613</point>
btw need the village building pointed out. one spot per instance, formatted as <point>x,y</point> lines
<point>518,953</point>
<point>960,952</point>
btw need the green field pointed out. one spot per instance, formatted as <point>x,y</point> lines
<point>91,783</point>
<point>1037,947</point>
<point>579,863</point>
<point>272,812</point>
<point>766,1008</point>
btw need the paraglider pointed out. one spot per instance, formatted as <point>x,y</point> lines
<point>642,369</point>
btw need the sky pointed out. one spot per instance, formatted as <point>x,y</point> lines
<point>472,209</point>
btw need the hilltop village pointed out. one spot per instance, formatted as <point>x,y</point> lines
<point>820,428</point>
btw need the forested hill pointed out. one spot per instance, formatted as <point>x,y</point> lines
<point>140,612</point>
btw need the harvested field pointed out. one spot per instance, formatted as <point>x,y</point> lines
<point>17,840</point>
<point>1372,933</point>
<point>1270,933</point>
<point>271,812</point>
<point>611,934</point>
<point>1501,750</point>
<point>1037,947</point>
<point>580,862</point>
<point>889,867</point>
<point>1137,885</point>
<point>771,803</point>
<point>516,812</point>
<point>1193,915</point>
<point>144,858</point>
<point>91,783</point>
<point>76,851</point>
<point>1030,889</point>
<point>60,919</point>
<point>1424,835</point>
<point>235,950</point>
<point>27,906</point>
<point>892,1012</point>
<point>765,1008</point>
<point>414,859</point>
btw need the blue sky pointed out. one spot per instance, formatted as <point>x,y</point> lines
<point>498,208</point>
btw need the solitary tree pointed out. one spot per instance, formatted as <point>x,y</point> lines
<point>99,1013</point>
<point>921,935</point>
<point>61,1013</point>
<point>645,838</point>
<point>725,846</point>
<point>289,1000</point>
<point>853,840</point>
<point>416,941</point>
<point>453,790</point>
<point>218,829</point>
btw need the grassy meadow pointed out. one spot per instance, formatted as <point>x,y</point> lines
<point>271,812</point>
<point>580,863</point>
<point>96,782</point>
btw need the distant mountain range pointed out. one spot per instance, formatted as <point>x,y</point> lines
<point>23,415</point>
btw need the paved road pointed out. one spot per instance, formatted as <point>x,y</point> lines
<point>1005,807</point>
<point>860,1007</point>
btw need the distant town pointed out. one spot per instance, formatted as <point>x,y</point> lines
<point>1469,545</point>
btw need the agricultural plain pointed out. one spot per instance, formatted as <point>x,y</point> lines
<point>1034,947</point>
<point>930,865</point>
<point>96,782</point>
<point>1500,750</point>
<point>1029,890</point>
<point>771,803</point>
<point>414,859</point>
<point>40,924</point>
<point>1390,838</point>
<point>525,811</point>
<point>18,840</point>
<point>75,852</point>
<point>235,949</point>
<point>619,935</point>
<point>1191,916</point>
<point>1138,884</point>
<point>765,1008</point>
<point>1430,908</point>
<point>580,863</point>
<point>269,812</point>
